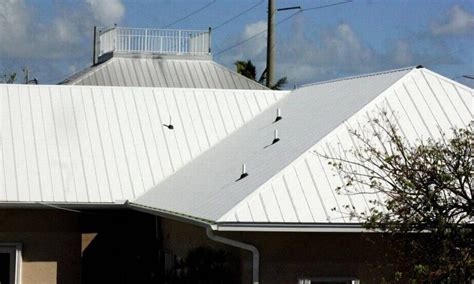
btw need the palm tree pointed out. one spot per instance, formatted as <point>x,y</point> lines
<point>247,69</point>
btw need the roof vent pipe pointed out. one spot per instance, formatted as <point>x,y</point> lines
<point>244,171</point>
<point>170,125</point>
<point>275,136</point>
<point>278,116</point>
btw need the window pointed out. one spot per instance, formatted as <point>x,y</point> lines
<point>329,280</point>
<point>10,260</point>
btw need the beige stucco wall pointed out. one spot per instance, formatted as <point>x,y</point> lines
<point>51,244</point>
<point>285,257</point>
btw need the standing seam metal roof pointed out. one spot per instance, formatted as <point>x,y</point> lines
<point>162,72</point>
<point>78,144</point>
<point>287,182</point>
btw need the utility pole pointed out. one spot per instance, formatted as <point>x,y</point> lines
<point>270,42</point>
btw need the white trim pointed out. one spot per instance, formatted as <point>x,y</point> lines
<point>15,264</point>
<point>293,227</point>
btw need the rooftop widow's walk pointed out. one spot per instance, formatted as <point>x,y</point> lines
<point>121,40</point>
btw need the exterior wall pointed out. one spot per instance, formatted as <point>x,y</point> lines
<point>286,257</point>
<point>120,246</point>
<point>51,244</point>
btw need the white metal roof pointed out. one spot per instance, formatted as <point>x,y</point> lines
<point>287,183</point>
<point>162,71</point>
<point>76,144</point>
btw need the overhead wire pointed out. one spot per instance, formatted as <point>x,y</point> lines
<point>426,62</point>
<point>278,23</point>
<point>190,14</point>
<point>238,15</point>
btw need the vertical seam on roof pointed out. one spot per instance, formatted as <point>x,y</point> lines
<point>90,143</point>
<point>230,112</point>
<point>143,137</point>
<point>115,150</point>
<point>256,100</point>
<point>264,207</point>
<point>35,146</point>
<point>134,139</point>
<point>239,108</point>
<point>162,132</point>
<point>160,162</point>
<point>68,146</point>
<point>182,125</point>
<point>123,142</point>
<point>192,122</point>
<point>462,101</point>
<point>47,145</point>
<point>332,191</point>
<point>210,115</point>
<point>24,147</point>
<point>174,133</point>
<point>450,101</point>
<point>206,79</point>
<point>304,194</point>
<point>424,99</point>
<point>220,112</point>
<point>101,142</point>
<point>201,118</point>
<point>80,147</point>
<point>57,142</point>
<point>406,113</point>
<point>339,175</point>
<point>313,180</point>
<point>396,120</point>
<point>277,202</point>
<point>104,137</point>
<point>287,189</point>
<point>417,110</point>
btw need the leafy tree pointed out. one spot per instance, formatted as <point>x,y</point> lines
<point>204,265</point>
<point>428,209</point>
<point>247,69</point>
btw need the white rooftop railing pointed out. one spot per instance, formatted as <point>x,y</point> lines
<point>154,41</point>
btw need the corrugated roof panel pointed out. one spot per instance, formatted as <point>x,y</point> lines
<point>80,144</point>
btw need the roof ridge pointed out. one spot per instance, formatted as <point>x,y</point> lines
<point>363,75</point>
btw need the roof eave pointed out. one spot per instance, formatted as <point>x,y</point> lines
<point>293,227</point>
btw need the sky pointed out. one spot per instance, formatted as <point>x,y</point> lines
<point>53,38</point>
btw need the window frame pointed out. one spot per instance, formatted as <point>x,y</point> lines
<point>14,249</point>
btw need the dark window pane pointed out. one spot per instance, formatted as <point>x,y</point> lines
<point>5,268</point>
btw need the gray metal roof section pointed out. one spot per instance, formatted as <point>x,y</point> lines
<point>209,186</point>
<point>162,71</point>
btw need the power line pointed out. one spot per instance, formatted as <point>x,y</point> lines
<point>444,55</point>
<point>191,14</point>
<point>278,23</point>
<point>255,35</point>
<point>238,15</point>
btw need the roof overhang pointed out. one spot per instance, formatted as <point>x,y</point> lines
<point>292,227</point>
<point>256,226</point>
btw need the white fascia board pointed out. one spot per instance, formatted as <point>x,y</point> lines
<point>292,227</point>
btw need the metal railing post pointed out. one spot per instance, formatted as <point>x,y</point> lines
<point>209,41</point>
<point>179,42</point>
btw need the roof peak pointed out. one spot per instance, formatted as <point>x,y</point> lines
<point>364,75</point>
